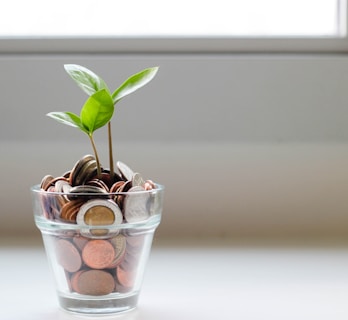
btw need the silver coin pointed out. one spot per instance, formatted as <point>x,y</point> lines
<point>136,205</point>
<point>87,172</point>
<point>62,186</point>
<point>86,192</point>
<point>126,172</point>
<point>137,180</point>
<point>120,244</point>
<point>77,168</point>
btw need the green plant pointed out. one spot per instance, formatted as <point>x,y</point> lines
<point>98,109</point>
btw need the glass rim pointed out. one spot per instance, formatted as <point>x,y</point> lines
<point>46,224</point>
<point>36,189</point>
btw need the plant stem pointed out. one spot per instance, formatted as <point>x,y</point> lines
<point>96,156</point>
<point>111,159</point>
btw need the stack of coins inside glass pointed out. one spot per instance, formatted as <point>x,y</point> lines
<point>98,261</point>
<point>99,266</point>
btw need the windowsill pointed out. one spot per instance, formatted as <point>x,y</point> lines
<point>201,281</point>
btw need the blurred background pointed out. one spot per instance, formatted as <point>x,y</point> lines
<point>246,129</point>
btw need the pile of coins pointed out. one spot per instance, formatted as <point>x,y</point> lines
<point>97,260</point>
<point>85,197</point>
<point>99,266</point>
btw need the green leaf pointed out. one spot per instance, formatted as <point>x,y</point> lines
<point>133,83</point>
<point>86,79</point>
<point>97,111</point>
<point>67,118</point>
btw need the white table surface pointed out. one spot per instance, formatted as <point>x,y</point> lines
<point>199,282</point>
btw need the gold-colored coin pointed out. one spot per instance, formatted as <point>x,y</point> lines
<point>99,216</point>
<point>98,212</point>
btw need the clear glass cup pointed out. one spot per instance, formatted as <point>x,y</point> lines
<point>97,258</point>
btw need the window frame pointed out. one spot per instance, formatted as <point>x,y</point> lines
<point>174,45</point>
<point>178,44</point>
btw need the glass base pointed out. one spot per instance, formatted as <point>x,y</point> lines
<point>98,305</point>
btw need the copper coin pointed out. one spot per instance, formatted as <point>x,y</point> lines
<point>119,198</point>
<point>148,185</point>
<point>68,256</point>
<point>125,277</point>
<point>74,280</point>
<point>120,288</point>
<point>93,283</point>
<point>109,178</point>
<point>67,175</point>
<point>98,183</point>
<point>80,242</point>
<point>57,203</point>
<point>98,254</point>
<point>70,210</point>
<point>116,186</point>
<point>46,182</point>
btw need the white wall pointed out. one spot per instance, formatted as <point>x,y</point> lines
<point>245,144</point>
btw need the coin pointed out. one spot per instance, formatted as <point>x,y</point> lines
<point>70,210</point>
<point>98,183</point>
<point>116,186</point>
<point>86,192</point>
<point>68,256</point>
<point>98,254</point>
<point>135,205</point>
<point>46,182</point>
<point>62,186</point>
<point>57,203</point>
<point>149,185</point>
<point>77,168</point>
<point>121,193</point>
<point>74,280</point>
<point>126,172</point>
<point>110,179</point>
<point>93,282</point>
<point>137,180</point>
<point>125,277</point>
<point>80,242</point>
<point>119,244</point>
<point>120,288</point>
<point>87,172</point>
<point>98,212</point>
